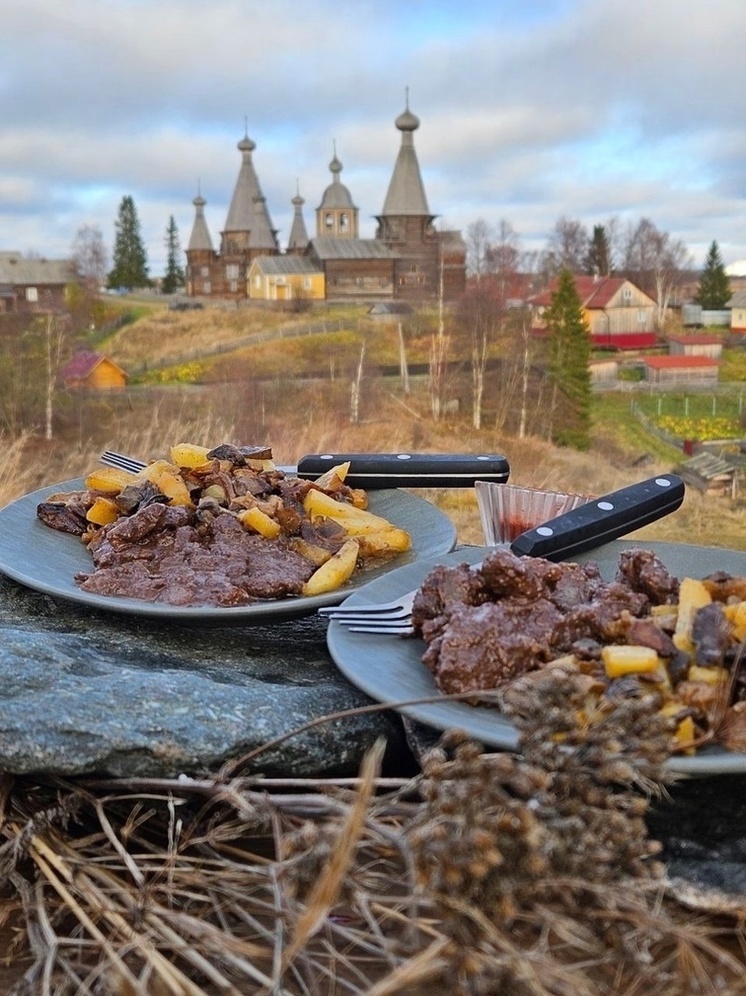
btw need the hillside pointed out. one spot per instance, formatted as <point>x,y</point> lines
<point>296,417</point>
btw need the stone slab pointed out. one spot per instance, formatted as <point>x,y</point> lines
<point>84,692</point>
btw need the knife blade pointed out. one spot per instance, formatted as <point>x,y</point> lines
<point>602,519</point>
<point>409,470</point>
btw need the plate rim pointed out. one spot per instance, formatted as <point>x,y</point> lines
<point>260,611</point>
<point>707,762</point>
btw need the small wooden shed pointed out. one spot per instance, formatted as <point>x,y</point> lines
<point>93,372</point>
<point>669,370</point>
<point>710,474</point>
<point>696,345</point>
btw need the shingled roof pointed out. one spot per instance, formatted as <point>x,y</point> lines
<point>248,208</point>
<point>326,247</point>
<point>83,363</point>
<point>15,270</point>
<point>200,237</point>
<point>406,193</point>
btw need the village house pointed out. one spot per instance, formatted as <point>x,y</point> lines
<point>409,258</point>
<point>737,305</point>
<point>29,285</point>
<point>285,278</point>
<point>618,314</point>
<point>92,371</point>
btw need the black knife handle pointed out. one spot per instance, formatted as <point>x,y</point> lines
<point>409,470</point>
<point>602,519</point>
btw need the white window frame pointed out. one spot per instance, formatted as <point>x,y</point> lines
<point>32,294</point>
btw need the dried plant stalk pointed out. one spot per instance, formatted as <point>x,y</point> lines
<point>529,874</point>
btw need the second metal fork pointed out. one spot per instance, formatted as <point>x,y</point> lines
<point>394,617</point>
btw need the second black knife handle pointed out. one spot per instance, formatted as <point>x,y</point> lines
<point>602,519</point>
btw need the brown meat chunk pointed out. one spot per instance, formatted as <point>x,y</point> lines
<point>711,635</point>
<point>171,559</point>
<point>489,644</point>
<point>643,571</point>
<point>443,587</point>
<point>63,517</point>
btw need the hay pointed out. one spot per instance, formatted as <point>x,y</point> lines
<point>484,873</point>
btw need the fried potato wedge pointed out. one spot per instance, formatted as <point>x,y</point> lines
<point>692,596</point>
<point>378,537</point>
<point>190,455</point>
<point>318,555</point>
<point>166,477</point>
<point>109,480</point>
<point>332,478</point>
<point>259,522</point>
<point>384,543</point>
<point>335,571</point>
<point>102,512</point>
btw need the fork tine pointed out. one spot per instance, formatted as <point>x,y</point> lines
<point>121,462</point>
<point>371,627</point>
<point>398,608</point>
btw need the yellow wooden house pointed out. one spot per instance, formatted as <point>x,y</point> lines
<point>93,372</point>
<point>285,278</point>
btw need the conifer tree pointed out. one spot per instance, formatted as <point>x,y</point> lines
<point>713,292</point>
<point>130,260</point>
<point>569,354</point>
<point>598,260</point>
<point>174,275</point>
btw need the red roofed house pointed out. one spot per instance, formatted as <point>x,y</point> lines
<point>93,372</point>
<point>618,314</point>
<point>681,370</point>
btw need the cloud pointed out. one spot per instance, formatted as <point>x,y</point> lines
<point>588,108</point>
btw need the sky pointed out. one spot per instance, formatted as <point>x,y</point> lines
<point>530,110</point>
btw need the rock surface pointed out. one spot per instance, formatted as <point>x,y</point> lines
<point>84,692</point>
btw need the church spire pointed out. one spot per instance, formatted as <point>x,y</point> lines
<point>298,240</point>
<point>406,193</point>
<point>200,237</point>
<point>248,224</point>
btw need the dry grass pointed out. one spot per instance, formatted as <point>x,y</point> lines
<point>228,884</point>
<point>309,419</point>
<point>485,874</point>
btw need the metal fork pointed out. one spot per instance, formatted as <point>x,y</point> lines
<point>122,462</point>
<point>394,617</point>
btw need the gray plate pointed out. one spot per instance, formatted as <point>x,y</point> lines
<point>390,669</point>
<point>46,560</point>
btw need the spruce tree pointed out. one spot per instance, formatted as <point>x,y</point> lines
<point>130,262</point>
<point>598,260</point>
<point>713,292</point>
<point>569,353</point>
<point>174,275</point>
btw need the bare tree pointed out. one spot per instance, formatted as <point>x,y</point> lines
<point>480,322</point>
<point>89,256</point>
<point>503,260</point>
<point>479,237</point>
<point>567,247</point>
<point>655,262</point>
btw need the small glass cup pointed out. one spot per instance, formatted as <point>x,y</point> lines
<point>507,510</point>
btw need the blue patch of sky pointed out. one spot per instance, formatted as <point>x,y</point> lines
<point>623,151</point>
<point>427,18</point>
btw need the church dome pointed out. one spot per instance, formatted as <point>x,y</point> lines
<point>336,196</point>
<point>407,121</point>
